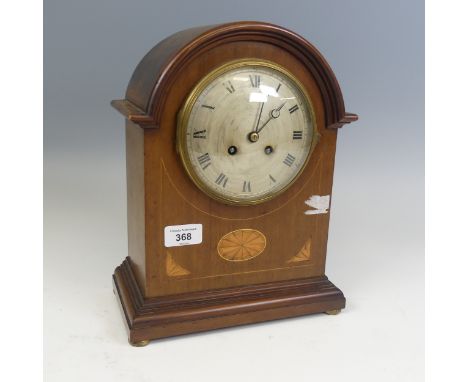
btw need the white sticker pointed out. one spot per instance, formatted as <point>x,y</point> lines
<point>320,204</point>
<point>187,234</point>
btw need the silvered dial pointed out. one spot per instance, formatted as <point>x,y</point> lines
<point>246,132</point>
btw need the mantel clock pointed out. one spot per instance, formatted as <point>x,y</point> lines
<point>230,139</point>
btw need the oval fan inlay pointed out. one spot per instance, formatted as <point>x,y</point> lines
<point>241,245</point>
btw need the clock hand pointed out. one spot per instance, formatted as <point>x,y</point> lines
<point>253,136</point>
<point>275,113</point>
<point>259,116</point>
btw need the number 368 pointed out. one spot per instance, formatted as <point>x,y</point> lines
<point>183,236</point>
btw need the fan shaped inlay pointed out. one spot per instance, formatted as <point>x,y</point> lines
<point>241,245</point>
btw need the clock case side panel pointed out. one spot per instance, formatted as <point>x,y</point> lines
<point>134,141</point>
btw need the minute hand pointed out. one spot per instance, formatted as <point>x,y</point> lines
<point>275,113</point>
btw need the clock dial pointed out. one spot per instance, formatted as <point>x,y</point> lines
<point>246,132</point>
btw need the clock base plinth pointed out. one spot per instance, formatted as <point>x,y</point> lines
<point>158,317</point>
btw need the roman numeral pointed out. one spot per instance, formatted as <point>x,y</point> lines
<point>254,80</point>
<point>272,179</point>
<point>246,187</point>
<point>278,88</point>
<point>289,160</point>
<point>208,106</point>
<point>229,87</point>
<point>204,160</point>
<point>297,134</point>
<point>200,134</point>
<point>221,179</point>
<point>293,109</point>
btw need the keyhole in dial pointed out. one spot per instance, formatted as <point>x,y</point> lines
<point>232,150</point>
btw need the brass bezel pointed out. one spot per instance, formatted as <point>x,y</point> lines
<point>185,111</point>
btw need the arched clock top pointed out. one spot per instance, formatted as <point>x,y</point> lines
<point>148,88</point>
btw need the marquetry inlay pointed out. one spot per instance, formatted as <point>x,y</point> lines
<point>241,245</point>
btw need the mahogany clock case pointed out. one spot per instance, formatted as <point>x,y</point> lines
<point>170,291</point>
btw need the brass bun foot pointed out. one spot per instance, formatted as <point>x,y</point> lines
<point>333,312</point>
<point>139,344</point>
